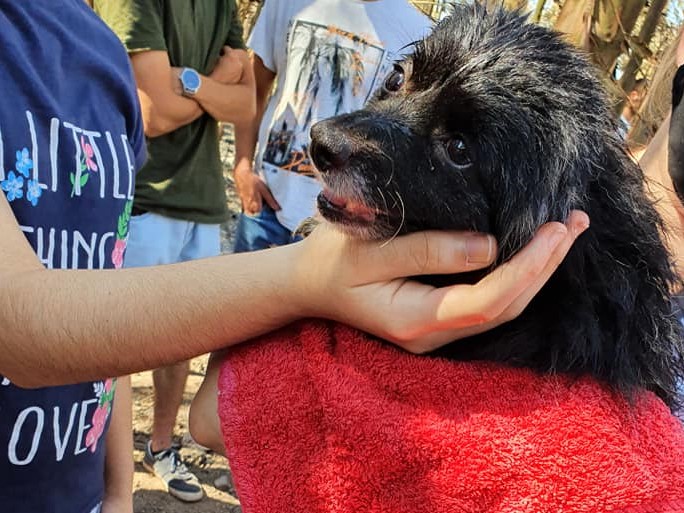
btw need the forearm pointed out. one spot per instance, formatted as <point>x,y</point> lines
<point>231,103</point>
<point>660,187</point>
<point>175,112</point>
<point>246,134</point>
<point>69,326</point>
<point>163,108</point>
<point>247,131</point>
<point>119,455</point>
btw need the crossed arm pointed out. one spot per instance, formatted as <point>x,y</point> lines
<point>226,94</point>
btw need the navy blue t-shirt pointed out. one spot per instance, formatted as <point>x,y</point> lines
<point>71,138</point>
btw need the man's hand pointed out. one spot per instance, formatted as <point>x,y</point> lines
<point>252,190</point>
<point>229,67</point>
<point>362,283</point>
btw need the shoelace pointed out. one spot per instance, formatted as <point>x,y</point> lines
<point>177,465</point>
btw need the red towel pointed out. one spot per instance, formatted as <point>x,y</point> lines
<point>319,417</point>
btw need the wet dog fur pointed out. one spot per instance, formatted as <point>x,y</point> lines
<point>496,125</point>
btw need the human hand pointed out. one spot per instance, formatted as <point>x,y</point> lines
<point>680,48</point>
<point>362,283</point>
<point>252,190</point>
<point>229,67</point>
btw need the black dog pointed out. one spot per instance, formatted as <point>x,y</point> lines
<point>496,125</point>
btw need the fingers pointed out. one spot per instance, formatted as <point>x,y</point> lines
<point>460,311</point>
<point>431,253</point>
<point>266,195</point>
<point>252,206</point>
<point>577,223</point>
<point>531,267</point>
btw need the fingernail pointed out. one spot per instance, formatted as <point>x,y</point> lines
<point>580,226</point>
<point>479,249</point>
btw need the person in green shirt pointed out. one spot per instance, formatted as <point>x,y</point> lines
<point>192,73</point>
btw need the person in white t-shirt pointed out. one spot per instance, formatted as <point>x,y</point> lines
<point>328,57</point>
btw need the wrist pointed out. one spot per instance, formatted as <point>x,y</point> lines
<point>243,166</point>
<point>298,297</point>
<point>190,82</point>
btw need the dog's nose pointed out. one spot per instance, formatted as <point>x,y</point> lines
<point>330,150</point>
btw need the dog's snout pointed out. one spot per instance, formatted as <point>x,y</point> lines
<point>330,149</point>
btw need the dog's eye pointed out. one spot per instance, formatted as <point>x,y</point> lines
<point>395,80</point>
<point>458,151</point>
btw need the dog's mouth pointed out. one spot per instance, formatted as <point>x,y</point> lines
<point>340,209</point>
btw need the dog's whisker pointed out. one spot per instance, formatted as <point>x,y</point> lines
<point>384,200</point>
<point>384,154</point>
<point>401,224</point>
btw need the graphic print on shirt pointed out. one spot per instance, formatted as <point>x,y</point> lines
<point>122,235</point>
<point>62,428</point>
<point>104,391</point>
<point>13,185</point>
<point>84,167</point>
<point>336,73</point>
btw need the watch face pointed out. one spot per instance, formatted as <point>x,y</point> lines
<point>190,79</point>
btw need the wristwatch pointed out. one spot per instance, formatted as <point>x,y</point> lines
<point>190,81</point>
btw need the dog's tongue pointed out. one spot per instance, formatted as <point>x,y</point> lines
<point>359,210</point>
<point>351,207</point>
<point>338,201</point>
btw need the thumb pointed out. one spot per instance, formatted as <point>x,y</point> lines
<point>432,252</point>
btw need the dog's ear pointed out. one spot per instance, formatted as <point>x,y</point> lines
<point>626,275</point>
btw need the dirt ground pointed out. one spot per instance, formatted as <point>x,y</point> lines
<point>149,495</point>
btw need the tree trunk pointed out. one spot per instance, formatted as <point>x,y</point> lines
<point>599,27</point>
<point>614,22</point>
<point>538,8</point>
<point>575,20</point>
<point>639,46</point>
<point>512,5</point>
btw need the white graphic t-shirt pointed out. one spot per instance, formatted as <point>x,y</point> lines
<point>329,57</point>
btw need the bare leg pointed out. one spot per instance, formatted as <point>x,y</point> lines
<point>169,386</point>
<point>204,423</point>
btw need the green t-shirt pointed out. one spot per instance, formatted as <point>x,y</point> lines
<point>182,177</point>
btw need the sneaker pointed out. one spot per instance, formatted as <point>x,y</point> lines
<point>168,466</point>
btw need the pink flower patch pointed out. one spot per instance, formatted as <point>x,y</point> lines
<point>88,152</point>
<point>118,252</point>
<point>99,421</point>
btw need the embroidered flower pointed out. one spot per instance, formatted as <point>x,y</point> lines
<point>100,415</point>
<point>98,388</point>
<point>13,186</point>
<point>88,152</point>
<point>81,176</point>
<point>118,253</point>
<point>122,235</point>
<point>24,163</point>
<point>33,192</point>
<point>99,420</point>
<point>105,394</point>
